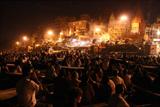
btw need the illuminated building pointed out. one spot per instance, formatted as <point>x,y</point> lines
<point>138,24</point>
<point>153,33</point>
<point>135,25</point>
<point>78,27</point>
<point>118,27</point>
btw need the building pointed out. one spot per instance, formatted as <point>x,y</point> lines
<point>79,27</point>
<point>152,32</point>
<point>118,29</point>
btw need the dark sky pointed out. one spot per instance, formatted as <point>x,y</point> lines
<point>23,17</point>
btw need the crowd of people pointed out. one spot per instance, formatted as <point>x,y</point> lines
<point>77,78</point>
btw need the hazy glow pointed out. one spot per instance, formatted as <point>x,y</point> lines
<point>70,32</point>
<point>156,40</point>
<point>79,43</point>
<point>97,29</point>
<point>37,45</point>
<point>104,38</point>
<point>123,18</point>
<point>50,32</point>
<point>25,38</point>
<point>61,33</point>
<point>158,32</point>
<point>49,36</point>
<point>74,40</point>
<point>60,39</point>
<point>17,43</point>
<point>82,43</point>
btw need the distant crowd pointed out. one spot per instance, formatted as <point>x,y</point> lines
<point>77,78</point>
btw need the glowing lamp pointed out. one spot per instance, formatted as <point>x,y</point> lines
<point>124,18</point>
<point>50,32</point>
<point>25,38</point>
<point>97,29</point>
<point>17,43</point>
<point>158,32</point>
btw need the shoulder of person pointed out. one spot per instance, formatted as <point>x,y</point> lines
<point>34,84</point>
<point>120,78</point>
<point>123,102</point>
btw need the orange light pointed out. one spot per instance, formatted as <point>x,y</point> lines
<point>105,37</point>
<point>50,32</point>
<point>124,18</point>
<point>37,45</point>
<point>97,29</point>
<point>17,43</point>
<point>25,38</point>
<point>61,33</point>
<point>158,32</point>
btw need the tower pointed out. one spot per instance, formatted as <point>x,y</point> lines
<point>138,23</point>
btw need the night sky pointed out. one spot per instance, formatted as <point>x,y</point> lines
<point>23,17</point>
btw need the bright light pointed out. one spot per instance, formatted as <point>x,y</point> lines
<point>50,32</point>
<point>49,36</point>
<point>37,45</point>
<point>59,40</point>
<point>156,40</point>
<point>82,43</point>
<point>123,18</point>
<point>158,32</point>
<point>70,32</point>
<point>61,33</point>
<point>17,43</point>
<point>74,40</point>
<point>74,43</point>
<point>105,37</point>
<point>97,29</point>
<point>78,43</point>
<point>25,38</point>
